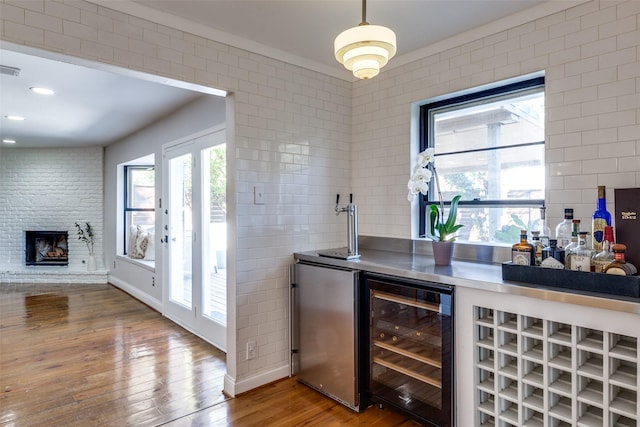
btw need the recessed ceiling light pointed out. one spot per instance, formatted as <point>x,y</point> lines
<point>16,118</point>
<point>9,141</point>
<point>41,90</point>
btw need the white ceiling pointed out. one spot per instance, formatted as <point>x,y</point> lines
<point>96,107</point>
<point>89,107</point>
<point>306,29</point>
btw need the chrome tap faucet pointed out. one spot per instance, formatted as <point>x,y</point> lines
<point>352,225</point>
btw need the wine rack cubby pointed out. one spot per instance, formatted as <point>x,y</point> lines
<point>536,372</point>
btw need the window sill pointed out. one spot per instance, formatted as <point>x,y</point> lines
<point>147,265</point>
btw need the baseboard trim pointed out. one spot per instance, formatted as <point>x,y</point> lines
<point>53,275</point>
<point>136,293</point>
<point>234,388</point>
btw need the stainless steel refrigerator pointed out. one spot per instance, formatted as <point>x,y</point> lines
<point>325,331</point>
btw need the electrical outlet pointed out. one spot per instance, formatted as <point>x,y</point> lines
<point>258,194</point>
<point>251,350</point>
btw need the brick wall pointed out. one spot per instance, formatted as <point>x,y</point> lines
<point>49,189</point>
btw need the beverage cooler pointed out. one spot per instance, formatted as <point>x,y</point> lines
<point>325,338</point>
<point>410,347</point>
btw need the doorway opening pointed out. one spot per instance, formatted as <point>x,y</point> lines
<point>195,190</point>
<point>140,278</point>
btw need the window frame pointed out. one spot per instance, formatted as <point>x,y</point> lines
<point>126,209</point>
<point>425,140</point>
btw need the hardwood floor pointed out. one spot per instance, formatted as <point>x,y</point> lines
<point>288,403</point>
<point>91,355</point>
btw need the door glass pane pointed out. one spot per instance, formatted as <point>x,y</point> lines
<point>181,230</point>
<point>215,230</point>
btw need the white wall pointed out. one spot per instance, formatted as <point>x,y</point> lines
<point>307,136</point>
<point>49,189</point>
<point>143,282</point>
<point>591,56</point>
<point>291,132</point>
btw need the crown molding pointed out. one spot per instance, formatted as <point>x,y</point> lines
<point>182,24</point>
<point>539,11</point>
<point>144,12</point>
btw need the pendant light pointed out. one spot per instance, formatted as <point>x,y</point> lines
<point>366,48</point>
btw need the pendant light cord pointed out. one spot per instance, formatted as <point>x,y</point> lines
<point>364,13</point>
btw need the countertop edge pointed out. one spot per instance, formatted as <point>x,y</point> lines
<point>468,274</point>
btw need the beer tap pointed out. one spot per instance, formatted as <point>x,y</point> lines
<point>352,225</point>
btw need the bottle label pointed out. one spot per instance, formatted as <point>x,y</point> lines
<point>521,258</point>
<point>552,263</point>
<point>598,226</point>
<point>600,265</point>
<point>567,261</point>
<point>617,270</point>
<point>580,263</point>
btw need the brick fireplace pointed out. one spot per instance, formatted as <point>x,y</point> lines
<point>47,248</point>
<point>47,189</point>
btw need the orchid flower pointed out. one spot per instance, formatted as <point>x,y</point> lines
<point>421,175</point>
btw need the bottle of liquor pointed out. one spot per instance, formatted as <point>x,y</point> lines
<point>605,256</point>
<point>523,253</point>
<point>601,218</point>
<point>552,256</point>
<point>563,229</point>
<point>545,232</point>
<point>619,265</point>
<point>582,255</point>
<point>537,245</point>
<point>573,245</point>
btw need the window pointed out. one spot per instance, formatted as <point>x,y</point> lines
<point>489,148</point>
<point>139,212</point>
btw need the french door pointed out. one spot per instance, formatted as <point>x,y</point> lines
<point>194,290</point>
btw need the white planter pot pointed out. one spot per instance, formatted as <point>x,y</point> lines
<point>91,263</point>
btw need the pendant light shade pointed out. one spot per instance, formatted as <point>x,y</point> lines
<point>366,48</point>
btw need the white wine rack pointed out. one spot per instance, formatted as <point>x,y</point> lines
<point>535,372</point>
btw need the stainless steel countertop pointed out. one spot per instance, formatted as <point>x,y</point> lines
<point>469,274</point>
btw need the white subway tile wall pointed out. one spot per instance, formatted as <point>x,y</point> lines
<point>49,189</point>
<point>591,56</point>
<point>307,136</point>
<point>292,134</point>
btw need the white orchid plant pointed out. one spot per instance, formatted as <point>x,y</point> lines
<point>423,171</point>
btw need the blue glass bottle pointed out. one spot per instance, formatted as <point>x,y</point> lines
<point>601,218</point>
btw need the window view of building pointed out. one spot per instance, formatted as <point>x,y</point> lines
<point>489,148</point>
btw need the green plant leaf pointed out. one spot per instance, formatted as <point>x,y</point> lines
<point>453,213</point>
<point>516,219</point>
<point>444,231</point>
<point>433,219</point>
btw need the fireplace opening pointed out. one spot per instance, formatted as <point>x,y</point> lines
<point>47,247</point>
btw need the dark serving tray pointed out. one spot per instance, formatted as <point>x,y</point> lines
<point>608,284</point>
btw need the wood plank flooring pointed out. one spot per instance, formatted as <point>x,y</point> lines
<point>91,355</point>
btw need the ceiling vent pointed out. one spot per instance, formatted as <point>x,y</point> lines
<point>9,71</point>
